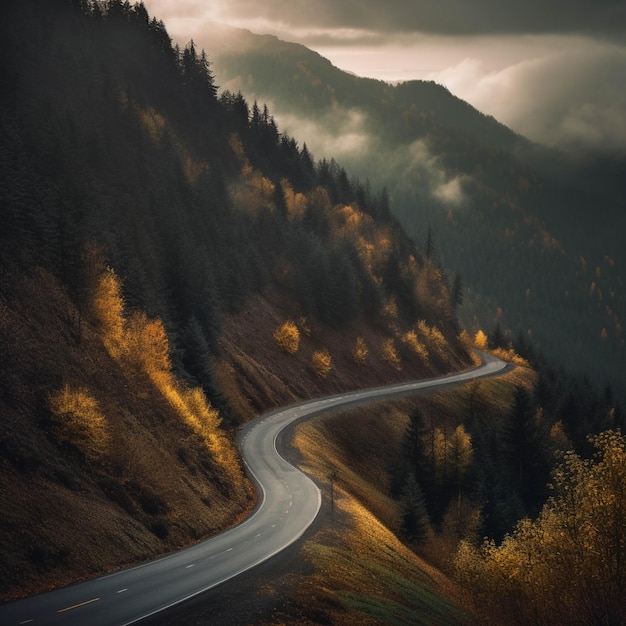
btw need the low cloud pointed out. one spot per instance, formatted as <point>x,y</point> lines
<point>451,192</point>
<point>554,72</point>
<point>415,163</point>
<point>573,97</point>
<point>340,134</point>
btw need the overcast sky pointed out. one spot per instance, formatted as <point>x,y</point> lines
<point>554,70</point>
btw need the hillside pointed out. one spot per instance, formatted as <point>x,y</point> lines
<point>535,235</point>
<point>171,265</point>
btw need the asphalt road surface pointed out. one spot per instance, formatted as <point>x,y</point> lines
<point>288,503</point>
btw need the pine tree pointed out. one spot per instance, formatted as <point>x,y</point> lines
<point>415,522</point>
<point>456,293</point>
<point>527,452</point>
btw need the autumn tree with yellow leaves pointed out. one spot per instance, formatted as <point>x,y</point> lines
<point>137,341</point>
<point>78,421</point>
<point>569,565</point>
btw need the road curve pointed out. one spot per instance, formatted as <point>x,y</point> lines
<point>288,503</point>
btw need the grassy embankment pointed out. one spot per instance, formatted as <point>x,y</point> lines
<point>362,571</point>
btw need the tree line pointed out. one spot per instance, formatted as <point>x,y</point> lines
<point>113,136</point>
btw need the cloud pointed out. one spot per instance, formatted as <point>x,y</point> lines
<point>340,134</point>
<point>600,17</point>
<point>416,163</point>
<point>553,71</point>
<point>573,96</point>
<point>451,192</point>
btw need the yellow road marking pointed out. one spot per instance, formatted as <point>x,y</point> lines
<point>75,606</point>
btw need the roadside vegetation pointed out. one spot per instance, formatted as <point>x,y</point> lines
<point>171,266</point>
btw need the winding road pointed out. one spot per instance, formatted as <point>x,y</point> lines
<point>288,503</point>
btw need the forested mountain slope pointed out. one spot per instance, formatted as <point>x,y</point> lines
<point>171,264</point>
<point>536,235</point>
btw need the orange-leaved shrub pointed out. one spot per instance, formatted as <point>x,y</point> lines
<point>287,337</point>
<point>107,306</point>
<point>78,421</point>
<point>480,340</point>
<point>196,411</point>
<point>141,342</point>
<point>569,565</point>
<point>322,362</point>
<point>410,340</point>
<point>432,335</point>
<point>390,354</point>
<point>360,351</point>
<point>146,342</point>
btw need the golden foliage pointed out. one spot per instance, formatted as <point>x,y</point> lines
<point>480,340</point>
<point>322,362</point>
<point>195,410</point>
<point>390,354</point>
<point>146,342</point>
<point>351,222</point>
<point>287,337</point>
<point>194,169</point>
<point>78,420</point>
<point>410,340</point>
<point>141,341</point>
<point>153,122</point>
<point>351,216</point>
<point>360,351</point>
<point>254,193</point>
<point>108,311</point>
<point>466,340</point>
<point>510,356</point>
<point>138,339</point>
<point>569,565</point>
<point>432,335</point>
<point>296,202</point>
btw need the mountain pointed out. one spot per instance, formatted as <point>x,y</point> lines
<point>171,266</point>
<point>536,235</point>
<point>174,263</point>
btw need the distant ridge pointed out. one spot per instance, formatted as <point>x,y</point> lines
<point>513,218</point>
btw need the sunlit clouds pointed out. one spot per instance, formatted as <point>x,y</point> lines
<point>555,72</point>
<point>573,95</point>
<point>341,134</point>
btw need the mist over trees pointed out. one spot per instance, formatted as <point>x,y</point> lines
<point>143,212</point>
<point>153,206</point>
<point>535,233</point>
<point>113,135</point>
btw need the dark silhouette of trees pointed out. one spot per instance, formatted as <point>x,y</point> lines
<point>112,137</point>
<point>527,452</point>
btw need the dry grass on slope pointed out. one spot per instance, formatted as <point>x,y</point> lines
<point>351,566</point>
<point>75,502</point>
<point>362,572</point>
<point>255,374</point>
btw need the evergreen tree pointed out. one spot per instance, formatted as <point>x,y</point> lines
<point>415,522</point>
<point>496,338</point>
<point>527,452</point>
<point>429,247</point>
<point>456,293</point>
